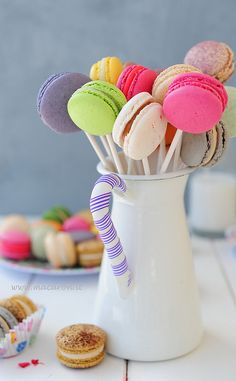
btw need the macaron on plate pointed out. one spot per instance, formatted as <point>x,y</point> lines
<point>32,266</point>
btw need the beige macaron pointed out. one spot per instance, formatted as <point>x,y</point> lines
<point>164,79</point>
<point>60,250</point>
<point>80,345</point>
<point>90,253</point>
<point>14,222</point>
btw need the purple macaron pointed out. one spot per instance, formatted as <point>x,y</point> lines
<point>53,97</point>
<point>80,236</point>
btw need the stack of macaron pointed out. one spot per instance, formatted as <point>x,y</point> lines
<point>175,117</point>
<point>13,311</point>
<point>62,239</point>
<point>20,320</point>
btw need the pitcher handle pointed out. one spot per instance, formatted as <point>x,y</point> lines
<point>99,206</point>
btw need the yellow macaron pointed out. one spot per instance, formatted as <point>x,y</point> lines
<point>107,69</point>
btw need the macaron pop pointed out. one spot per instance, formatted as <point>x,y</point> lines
<point>136,79</point>
<point>107,69</point>
<point>52,101</point>
<point>140,127</point>
<point>94,108</point>
<point>203,99</point>
<point>164,79</point>
<point>213,58</point>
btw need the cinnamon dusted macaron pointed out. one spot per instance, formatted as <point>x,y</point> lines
<point>7,321</point>
<point>15,308</point>
<point>26,303</point>
<point>60,250</point>
<point>90,253</point>
<point>80,345</point>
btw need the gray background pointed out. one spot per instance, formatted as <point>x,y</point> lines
<point>39,168</point>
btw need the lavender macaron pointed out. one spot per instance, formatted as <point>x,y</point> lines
<point>53,97</point>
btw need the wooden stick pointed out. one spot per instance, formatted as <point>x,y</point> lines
<point>98,150</point>
<point>132,169</point>
<point>146,166</point>
<point>115,156</point>
<point>161,154</point>
<point>106,146</point>
<point>177,154</point>
<point>171,151</point>
<point>139,166</point>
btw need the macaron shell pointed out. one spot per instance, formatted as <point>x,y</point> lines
<point>166,77</point>
<point>131,79</point>
<point>110,90</point>
<point>126,115</point>
<point>213,58</point>
<point>15,245</point>
<point>94,71</point>
<point>115,67</point>
<point>14,222</point>
<point>38,234</point>
<point>229,116</point>
<point>146,133</point>
<point>93,112</point>
<point>222,144</point>
<point>53,106</point>
<point>26,302</point>
<point>8,317</point>
<point>194,102</point>
<point>198,149</point>
<point>60,250</point>
<point>15,308</point>
<point>144,82</point>
<point>136,79</point>
<point>76,223</point>
<point>107,69</point>
<point>123,77</point>
<point>70,338</point>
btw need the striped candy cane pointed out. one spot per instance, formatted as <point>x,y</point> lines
<point>99,206</point>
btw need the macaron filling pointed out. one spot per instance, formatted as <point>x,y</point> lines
<point>82,356</point>
<point>128,126</point>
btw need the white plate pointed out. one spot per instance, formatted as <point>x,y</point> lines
<point>44,268</point>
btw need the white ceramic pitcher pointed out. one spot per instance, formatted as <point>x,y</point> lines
<point>160,318</point>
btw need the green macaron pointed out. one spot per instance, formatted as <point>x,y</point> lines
<point>229,116</point>
<point>57,213</point>
<point>38,234</point>
<point>95,106</point>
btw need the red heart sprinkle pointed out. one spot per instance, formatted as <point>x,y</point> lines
<point>23,364</point>
<point>36,362</point>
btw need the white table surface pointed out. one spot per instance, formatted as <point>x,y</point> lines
<point>214,360</point>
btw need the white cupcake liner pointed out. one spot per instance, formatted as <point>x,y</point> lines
<point>23,335</point>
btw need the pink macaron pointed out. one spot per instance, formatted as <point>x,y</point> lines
<point>136,79</point>
<point>195,102</point>
<point>15,245</point>
<point>75,224</point>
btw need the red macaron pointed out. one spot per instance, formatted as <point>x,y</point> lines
<point>15,245</point>
<point>136,79</point>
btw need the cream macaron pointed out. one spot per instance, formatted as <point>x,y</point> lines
<point>60,250</point>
